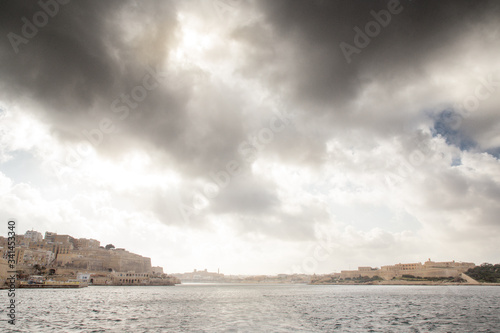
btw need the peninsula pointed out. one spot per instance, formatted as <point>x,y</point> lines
<point>428,273</point>
<point>63,258</point>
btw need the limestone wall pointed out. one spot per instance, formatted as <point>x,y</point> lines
<point>430,269</point>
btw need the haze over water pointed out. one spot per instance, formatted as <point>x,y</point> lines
<point>261,308</point>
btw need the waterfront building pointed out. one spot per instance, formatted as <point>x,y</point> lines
<point>65,251</point>
<point>83,277</point>
<point>65,257</point>
<point>129,278</point>
<point>157,270</point>
<point>426,270</point>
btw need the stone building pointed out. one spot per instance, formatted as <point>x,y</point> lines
<point>71,254</point>
<point>32,257</point>
<point>84,243</point>
<point>157,270</point>
<point>128,278</point>
<point>4,269</point>
<point>49,236</point>
<point>33,236</point>
<point>426,270</point>
<point>98,259</point>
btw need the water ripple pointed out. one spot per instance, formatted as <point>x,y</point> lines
<point>260,308</point>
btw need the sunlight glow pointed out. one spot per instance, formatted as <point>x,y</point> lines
<point>194,41</point>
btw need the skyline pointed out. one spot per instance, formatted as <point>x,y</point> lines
<point>36,240</point>
<point>253,136</point>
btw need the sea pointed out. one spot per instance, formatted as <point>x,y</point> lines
<point>256,308</point>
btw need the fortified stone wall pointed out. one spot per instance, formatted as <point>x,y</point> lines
<point>429,269</point>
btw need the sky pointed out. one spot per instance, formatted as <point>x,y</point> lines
<point>255,137</point>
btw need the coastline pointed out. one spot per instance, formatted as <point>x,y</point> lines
<point>383,283</point>
<point>406,283</point>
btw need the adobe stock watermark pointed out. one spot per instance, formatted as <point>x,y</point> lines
<point>403,170</point>
<point>40,19</point>
<point>249,150</point>
<point>121,106</point>
<point>372,29</point>
<point>486,87</point>
<point>11,269</point>
<point>319,252</point>
<point>407,166</point>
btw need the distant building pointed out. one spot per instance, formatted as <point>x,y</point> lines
<point>65,239</point>
<point>4,271</point>
<point>49,236</point>
<point>22,241</point>
<point>100,279</point>
<point>68,254</point>
<point>83,277</point>
<point>200,276</point>
<point>84,243</point>
<point>32,257</point>
<point>33,235</point>
<point>428,269</point>
<point>157,270</point>
<point>128,278</point>
<point>38,257</point>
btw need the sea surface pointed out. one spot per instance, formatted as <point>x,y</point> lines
<point>257,308</point>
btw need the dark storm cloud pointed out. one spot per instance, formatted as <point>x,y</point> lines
<point>205,134</point>
<point>77,68</point>
<point>419,32</point>
<point>296,50</point>
<point>78,58</point>
<point>247,196</point>
<point>90,53</point>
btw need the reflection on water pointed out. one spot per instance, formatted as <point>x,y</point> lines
<point>259,308</point>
